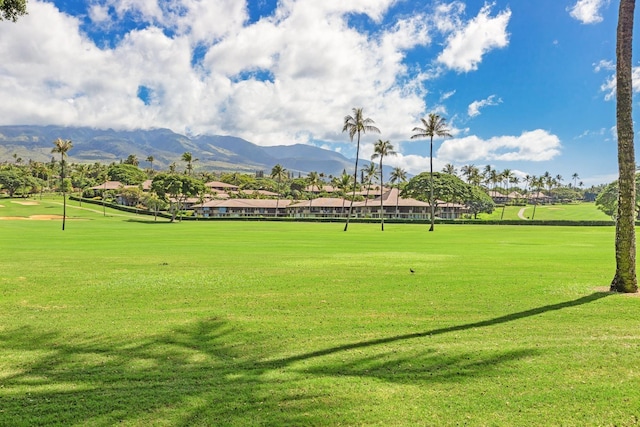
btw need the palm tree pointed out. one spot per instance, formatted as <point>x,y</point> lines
<point>625,279</point>
<point>62,146</point>
<point>188,157</point>
<point>468,171</point>
<point>380,149</point>
<point>449,169</point>
<point>370,171</point>
<point>398,175</point>
<point>344,183</point>
<point>536,184</point>
<point>132,159</point>
<point>433,126</point>
<point>355,125</point>
<point>150,159</point>
<point>278,173</point>
<point>575,177</point>
<point>314,180</point>
<point>486,175</point>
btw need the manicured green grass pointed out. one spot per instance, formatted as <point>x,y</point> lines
<point>571,212</point>
<point>120,320</point>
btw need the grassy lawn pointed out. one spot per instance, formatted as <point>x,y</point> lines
<point>572,212</point>
<point>122,320</point>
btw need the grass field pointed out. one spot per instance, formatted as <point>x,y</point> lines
<point>122,320</point>
<point>572,212</point>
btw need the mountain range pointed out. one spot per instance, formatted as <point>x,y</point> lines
<point>214,152</point>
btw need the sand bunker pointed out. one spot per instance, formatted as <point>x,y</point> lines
<point>32,217</point>
<point>29,203</point>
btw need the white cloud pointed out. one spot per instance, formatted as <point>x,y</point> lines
<point>294,86</point>
<point>588,11</point>
<point>99,14</point>
<point>604,65</point>
<point>537,145</point>
<point>468,43</point>
<point>475,106</point>
<point>610,85</point>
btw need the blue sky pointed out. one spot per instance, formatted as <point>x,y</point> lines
<point>524,85</point>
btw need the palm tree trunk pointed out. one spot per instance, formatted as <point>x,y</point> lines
<point>432,206</point>
<point>64,197</point>
<point>625,279</point>
<point>278,199</point>
<point>381,203</point>
<point>355,180</point>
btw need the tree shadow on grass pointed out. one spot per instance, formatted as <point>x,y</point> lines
<point>484,323</point>
<point>206,373</point>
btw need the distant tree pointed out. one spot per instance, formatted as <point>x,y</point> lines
<point>189,159</point>
<point>10,10</point>
<point>12,180</point>
<point>433,126</point>
<point>131,195</point>
<point>132,159</point>
<point>176,189</point>
<point>344,183</point>
<point>438,187</point>
<point>278,173</point>
<point>150,159</point>
<point>471,174</point>
<point>356,125</point>
<point>62,146</point>
<point>575,177</point>
<point>380,150</point>
<point>313,180</point>
<point>153,203</point>
<point>370,171</point>
<point>126,174</point>
<point>479,202</point>
<point>625,278</point>
<point>450,169</point>
<point>398,175</point>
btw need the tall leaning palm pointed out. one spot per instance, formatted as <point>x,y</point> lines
<point>434,126</point>
<point>278,172</point>
<point>62,146</point>
<point>356,125</point>
<point>625,279</point>
<point>380,150</point>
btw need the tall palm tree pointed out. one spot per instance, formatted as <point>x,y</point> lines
<point>537,182</point>
<point>370,171</point>
<point>150,159</point>
<point>314,180</point>
<point>356,125</point>
<point>62,146</point>
<point>398,175</point>
<point>278,172</point>
<point>625,279</point>
<point>575,177</point>
<point>380,149</point>
<point>433,126</point>
<point>188,157</point>
<point>506,176</point>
